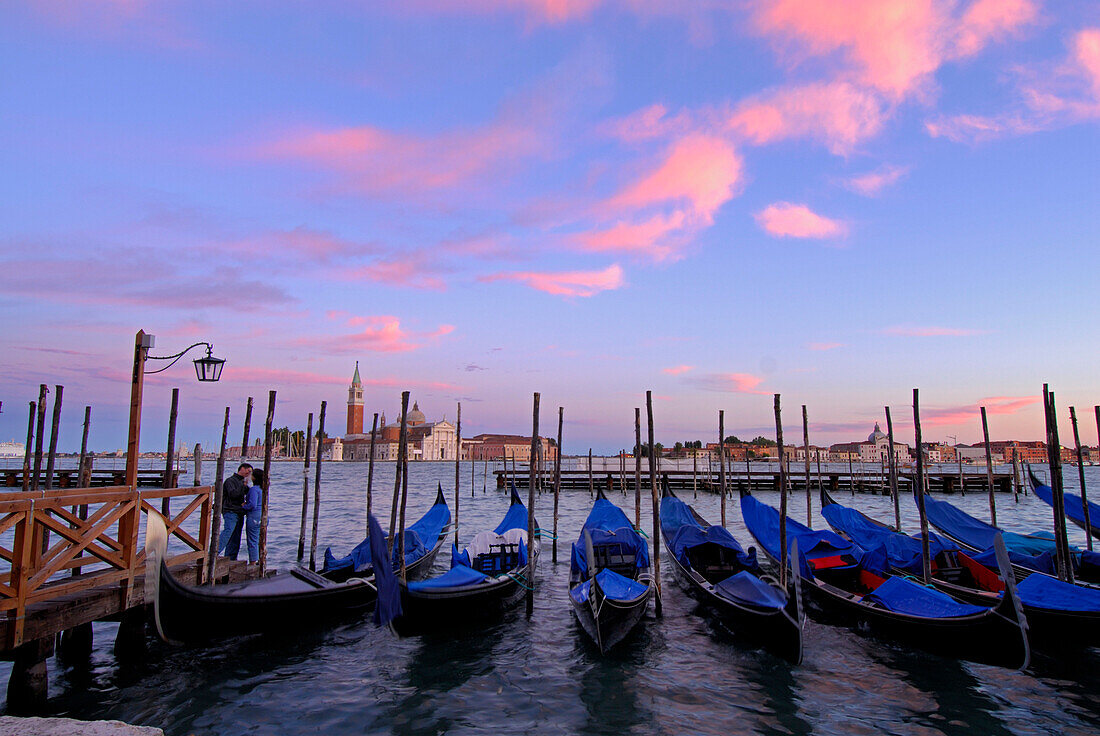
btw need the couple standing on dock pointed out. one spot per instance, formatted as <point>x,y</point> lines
<point>242,501</point>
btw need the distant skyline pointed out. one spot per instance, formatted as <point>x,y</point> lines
<point>835,200</point>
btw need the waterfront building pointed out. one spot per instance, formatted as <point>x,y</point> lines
<point>497,446</point>
<point>875,449</point>
<point>12,449</point>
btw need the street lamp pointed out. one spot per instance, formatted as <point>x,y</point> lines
<point>207,369</point>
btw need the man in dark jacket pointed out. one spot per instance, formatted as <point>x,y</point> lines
<point>234,492</point>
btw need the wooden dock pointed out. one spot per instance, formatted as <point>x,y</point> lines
<point>764,480</point>
<point>71,556</point>
<point>100,478</point>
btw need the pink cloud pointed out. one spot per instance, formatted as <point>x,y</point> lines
<point>677,370</point>
<point>995,405</point>
<point>377,161</point>
<point>545,11</point>
<point>649,123</point>
<point>787,220</point>
<point>1051,96</point>
<point>648,236</point>
<point>893,46</point>
<point>280,377</point>
<point>824,345</point>
<point>379,334</point>
<point>839,115</point>
<point>873,182</point>
<point>906,331</point>
<point>411,271</point>
<point>701,171</point>
<point>742,383</point>
<point>679,195</point>
<point>569,283</point>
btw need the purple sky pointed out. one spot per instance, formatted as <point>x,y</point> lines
<point>836,200</point>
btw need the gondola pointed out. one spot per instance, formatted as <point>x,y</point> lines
<point>844,581</point>
<point>714,569</point>
<point>187,613</point>
<point>609,580</point>
<point>1075,508</point>
<point>192,614</point>
<point>1028,553</point>
<point>1059,615</point>
<point>432,528</point>
<point>489,576</point>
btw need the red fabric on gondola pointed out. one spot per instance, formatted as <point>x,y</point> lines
<point>986,578</point>
<point>824,563</point>
<point>869,580</point>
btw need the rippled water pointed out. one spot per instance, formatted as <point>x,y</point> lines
<point>683,673</point>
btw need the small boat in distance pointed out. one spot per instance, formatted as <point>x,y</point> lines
<point>714,569</point>
<point>609,580</point>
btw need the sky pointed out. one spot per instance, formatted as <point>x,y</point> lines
<point>833,200</point>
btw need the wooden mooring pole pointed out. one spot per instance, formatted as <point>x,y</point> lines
<point>1054,459</point>
<point>370,467</point>
<point>317,487</point>
<point>721,465</point>
<point>458,459</point>
<point>397,478</point>
<point>806,444</point>
<point>216,521</point>
<point>557,482</point>
<point>1081,478</point>
<point>893,471</point>
<point>305,486</point>
<point>656,538</point>
<point>531,496</point>
<point>265,496</point>
<point>247,428</point>
<point>55,422</point>
<point>40,430</point>
<point>637,468</point>
<point>988,471</point>
<point>27,447</point>
<point>926,560</point>
<point>166,503</point>
<point>782,494</point>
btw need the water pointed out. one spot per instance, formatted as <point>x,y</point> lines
<point>680,674</point>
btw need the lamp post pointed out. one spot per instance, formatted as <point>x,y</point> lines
<point>207,369</point>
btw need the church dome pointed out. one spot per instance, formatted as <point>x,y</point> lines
<point>877,435</point>
<point>416,416</point>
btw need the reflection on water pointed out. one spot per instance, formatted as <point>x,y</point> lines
<point>682,673</point>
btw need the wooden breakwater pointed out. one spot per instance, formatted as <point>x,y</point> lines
<point>763,480</point>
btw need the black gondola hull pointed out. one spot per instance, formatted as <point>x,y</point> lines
<point>775,630</point>
<point>194,614</point>
<point>609,622</point>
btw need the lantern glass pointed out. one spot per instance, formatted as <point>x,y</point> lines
<point>209,368</point>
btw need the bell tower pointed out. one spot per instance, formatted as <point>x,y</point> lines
<point>355,404</point>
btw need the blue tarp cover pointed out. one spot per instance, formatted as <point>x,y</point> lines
<point>420,538</point>
<point>978,534</point>
<point>744,587</point>
<point>458,576</point>
<point>615,586</point>
<point>1074,509</point>
<point>515,518</point>
<point>388,606</point>
<point>683,532</point>
<point>904,596</point>
<point>1042,591</point>
<point>902,552</point>
<point>763,523</point>
<point>1041,563</point>
<point>608,525</point>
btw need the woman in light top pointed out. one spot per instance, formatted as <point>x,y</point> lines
<point>253,509</point>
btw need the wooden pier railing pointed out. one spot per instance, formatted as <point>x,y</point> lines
<point>57,543</point>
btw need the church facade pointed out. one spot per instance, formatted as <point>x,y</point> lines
<point>426,440</point>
